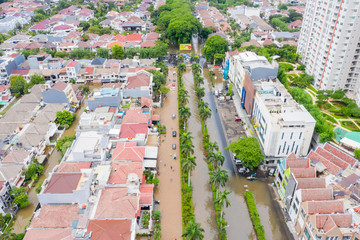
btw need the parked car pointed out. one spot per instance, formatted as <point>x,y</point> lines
<point>174,116</point>
<point>244,170</point>
<point>237,119</point>
<point>174,146</point>
<point>174,80</point>
<point>272,171</point>
<point>174,133</point>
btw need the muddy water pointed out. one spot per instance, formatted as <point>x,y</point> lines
<point>239,223</point>
<point>202,194</point>
<point>24,215</point>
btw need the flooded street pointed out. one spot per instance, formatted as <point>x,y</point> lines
<point>202,194</point>
<point>239,223</point>
<point>24,215</point>
<point>169,190</point>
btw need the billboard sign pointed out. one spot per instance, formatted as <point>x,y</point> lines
<point>185,46</point>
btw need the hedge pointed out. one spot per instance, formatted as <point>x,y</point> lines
<point>187,208</point>
<point>254,215</point>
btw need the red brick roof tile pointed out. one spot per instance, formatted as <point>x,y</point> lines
<point>325,207</point>
<point>345,157</point>
<point>316,194</point>
<point>308,183</point>
<point>110,229</point>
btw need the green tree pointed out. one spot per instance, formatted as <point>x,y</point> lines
<point>36,79</point>
<point>357,153</point>
<point>184,113</point>
<point>214,45</point>
<point>186,138</point>
<point>183,96</point>
<point>248,150</point>
<point>213,146</point>
<point>216,159</point>
<point>193,231</point>
<point>84,89</point>
<point>33,171</point>
<point>205,113</point>
<point>18,85</point>
<point>84,25</point>
<point>64,143</point>
<point>219,178</point>
<point>20,196</point>
<point>200,92</point>
<point>182,67</point>
<point>187,149</point>
<point>188,164</point>
<point>103,52</point>
<point>117,52</point>
<point>164,90</point>
<point>222,201</point>
<point>196,68</point>
<point>65,117</point>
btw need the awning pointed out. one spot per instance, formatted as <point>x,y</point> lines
<point>149,163</point>
<point>350,143</point>
<point>80,80</point>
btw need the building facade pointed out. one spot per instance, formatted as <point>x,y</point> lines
<point>329,44</point>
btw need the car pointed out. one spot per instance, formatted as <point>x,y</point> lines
<point>174,146</point>
<point>173,85</point>
<point>174,133</point>
<point>237,119</point>
<point>244,170</point>
<point>174,116</point>
<point>174,80</point>
<point>272,172</point>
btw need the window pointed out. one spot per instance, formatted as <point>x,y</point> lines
<point>291,135</point>
<point>282,136</point>
<point>307,234</point>
<point>297,201</point>
<point>303,213</point>
<point>284,147</point>
<point>300,135</point>
<point>279,149</point>
<point>295,208</point>
<point>287,151</point>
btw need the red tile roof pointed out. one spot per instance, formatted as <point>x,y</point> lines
<point>89,70</point>
<point>119,38</point>
<point>140,80</point>
<point>146,194</point>
<point>345,157</point>
<point>325,207</point>
<point>297,163</point>
<point>331,167</point>
<point>307,183</point>
<point>152,36</point>
<point>59,86</point>
<point>4,87</point>
<point>63,183</point>
<point>327,155</point>
<point>136,116</point>
<point>316,194</point>
<point>146,102</point>
<point>148,43</point>
<point>268,42</point>
<point>115,203</point>
<point>109,229</point>
<point>130,130</point>
<point>22,72</point>
<point>50,233</point>
<point>72,64</point>
<point>56,216</point>
<point>121,170</point>
<point>16,156</point>
<point>73,167</point>
<point>126,151</point>
<point>303,172</point>
<point>327,222</point>
<point>135,37</point>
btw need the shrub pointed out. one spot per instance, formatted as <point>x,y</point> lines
<point>157,215</point>
<point>254,215</point>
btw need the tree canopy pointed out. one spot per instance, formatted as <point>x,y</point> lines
<point>64,117</point>
<point>18,85</point>
<point>20,197</point>
<point>215,45</point>
<point>117,52</point>
<point>248,150</point>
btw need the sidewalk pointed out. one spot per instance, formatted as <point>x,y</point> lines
<point>243,115</point>
<point>169,190</point>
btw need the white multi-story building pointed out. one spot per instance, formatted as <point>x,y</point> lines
<point>329,43</point>
<point>282,125</point>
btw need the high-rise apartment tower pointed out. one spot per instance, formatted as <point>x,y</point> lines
<point>329,43</point>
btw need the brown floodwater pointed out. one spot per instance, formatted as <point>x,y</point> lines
<point>24,215</point>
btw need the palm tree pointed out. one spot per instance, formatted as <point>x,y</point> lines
<point>185,114</point>
<point>212,146</point>
<point>216,159</point>
<point>183,96</point>
<point>203,104</point>
<point>222,200</point>
<point>219,178</point>
<point>200,92</point>
<point>182,67</point>
<point>188,165</point>
<point>185,137</point>
<point>196,68</point>
<point>187,148</point>
<point>205,113</point>
<point>193,231</point>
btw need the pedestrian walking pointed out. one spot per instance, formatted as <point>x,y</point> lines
<point>171,167</point>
